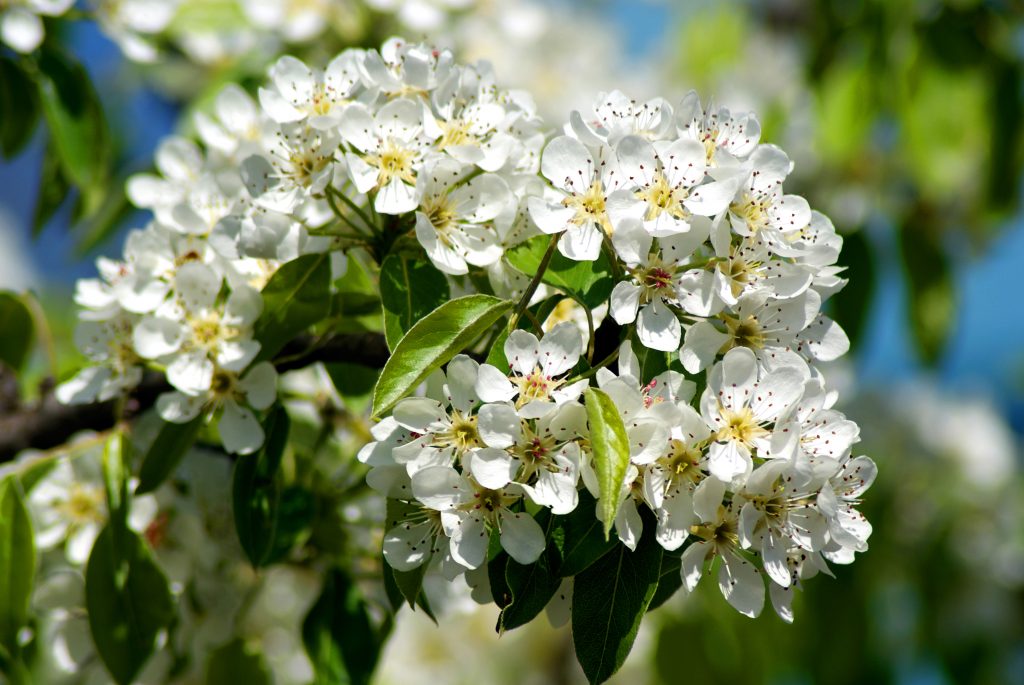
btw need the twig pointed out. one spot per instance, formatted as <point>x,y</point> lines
<point>48,423</point>
<point>524,301</point>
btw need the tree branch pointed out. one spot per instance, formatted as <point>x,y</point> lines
<point>48,423</point>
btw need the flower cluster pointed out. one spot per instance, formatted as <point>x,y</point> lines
<point>426,138</point>
<point>723,271</point>
<point>719,277</point>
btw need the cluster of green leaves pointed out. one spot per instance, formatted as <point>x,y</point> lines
<point>51,88</point>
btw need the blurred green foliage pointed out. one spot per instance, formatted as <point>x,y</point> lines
<point>913,108</point>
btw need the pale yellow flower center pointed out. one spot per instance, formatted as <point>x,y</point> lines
<point>590,207</point>
<point>740,426</point>
<point>393,162</point>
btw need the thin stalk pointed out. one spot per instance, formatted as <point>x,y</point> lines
<point>370,224</point>
<point>533,319</point>
<point>594,369</point>
<point>532,287</point>
<point>590,330</point>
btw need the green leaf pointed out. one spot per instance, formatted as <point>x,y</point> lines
<point>530,586</point>
<point>53,188</point>
<point>17,563</point>
<point>611,452</point>
<point>352,304</point>
<point>339,638</point>
<point>589,282</point>
<point>296,509</point>
<point>256,490</point>
<point>496,355</point>
<point>354,383</point>
<point>77,126</point>
<point>932,293</point>
<point>669,581</point>
<point>168,449</point>
<point>236,663</point>
<point>19,109</point>
<point>115,483</point>
<point>109,213</point>
<point>296,297</point>
<point>409,290</point>
<point>851,305</point>
<point>401,585</point>
<point>609,600</point>
<point>128,603</point>
<point>16,324</point>
<point>432,342</point>
<point>497,564</point>
<point>652,362</point>
<point>579,538</point>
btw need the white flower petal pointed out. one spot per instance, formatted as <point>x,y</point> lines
<point>625,301</point>
<point>177,407</point>
<point>260,385</point>
<point>240,432</point>
<point>408,545</point>
<point>741,585</point>
<point>440,488</point>
<point>493,386</point>
<point>492,468</point>
<point>658,328</point>
<point>567,164</point>
<point>498,425</point>
<point>701,346</point>
<point>560,349</point>
<point>521,536</point>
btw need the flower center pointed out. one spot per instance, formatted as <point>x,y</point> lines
<point>207,329</point>
<point>456,132</point>
<point>682,461</point>
<point>534,386</point>
<point>463,434</point>
<point>753,210</point>
<point>223,383</point>
<point>723,533</point>
<point>740,426</point>
<point>304,165</point>
<point>322,101</point>
<point>773,506</point>
<point>491,501</point>
<point>441,215</point>
<point>590,207</point>
<point>156,531</point>
<point>393,162</point>
<point>745,332</point>
<point>710,141</point>
<point>661,197</point>
<point>658,278</point>
<point>84,504</point>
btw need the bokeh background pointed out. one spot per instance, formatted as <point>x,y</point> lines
<point>906,122</point>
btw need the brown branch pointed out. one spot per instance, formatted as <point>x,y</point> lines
<point>48,423</point>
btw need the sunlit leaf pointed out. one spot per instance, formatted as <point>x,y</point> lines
<point>611,452</point>
<point>432,342</point>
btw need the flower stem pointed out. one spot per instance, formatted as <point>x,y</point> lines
<point>333,192</point>
<point>594,369</point>
<point>532,287</point>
